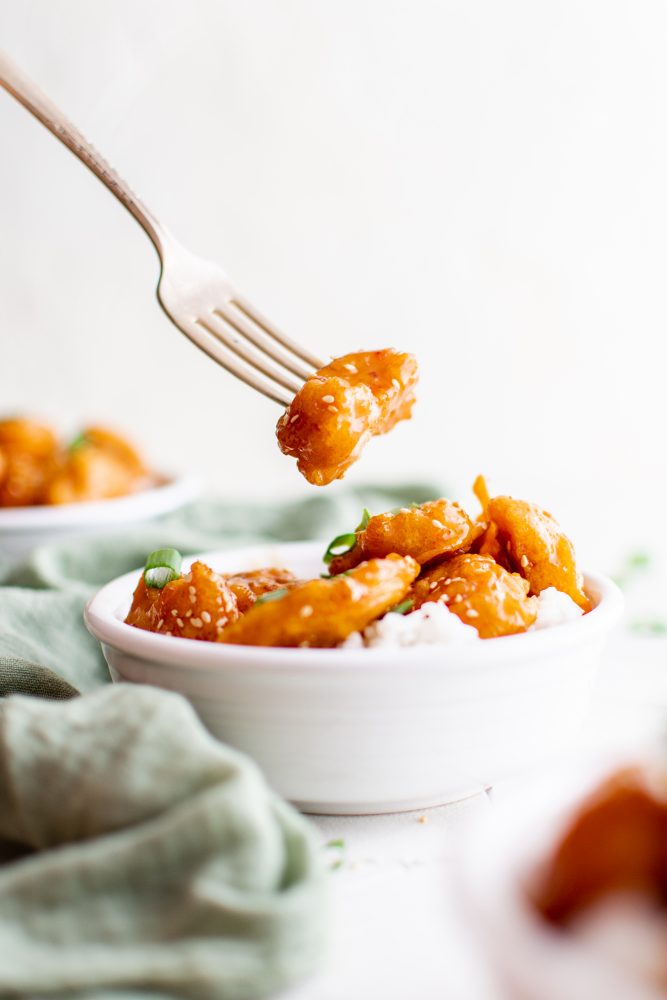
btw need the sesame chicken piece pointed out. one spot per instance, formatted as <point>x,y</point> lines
<point>425,532</point>
<point>322,613</point>
<point>28,456</point>
<point>342,406</point>
<point>197,605</point>
<point>529,541</point>
<point>480,592</point>
<point>102,466</point>
<point>614,843</point>
<point>247,587</point>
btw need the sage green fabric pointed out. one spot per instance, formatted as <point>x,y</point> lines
<point>139,857</point>
<point>137,853</point>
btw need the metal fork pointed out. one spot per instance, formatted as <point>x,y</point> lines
<point>196,294</point>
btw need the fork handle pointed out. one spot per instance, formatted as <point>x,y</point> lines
<point>20,86</point>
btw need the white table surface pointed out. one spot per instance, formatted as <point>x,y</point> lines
<point>397,931</point>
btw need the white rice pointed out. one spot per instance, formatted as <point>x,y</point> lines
<point>555,608</point>
<point>435,624</point>
<point>431,624</point>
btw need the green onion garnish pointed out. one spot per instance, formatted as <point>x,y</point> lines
<point>365,518</point>
<point>78,442</point>
<point>342,544</point>
<point>162,566</point>
<point>273,595</point>
<point>649,627</point>
<point>402,608</point>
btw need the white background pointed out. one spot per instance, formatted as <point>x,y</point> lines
<point>482,183</point>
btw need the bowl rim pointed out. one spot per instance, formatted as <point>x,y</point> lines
<point>174,651</point>
<point>165,495</point>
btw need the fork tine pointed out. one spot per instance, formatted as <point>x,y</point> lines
<point>258,336</point>
<point>210,344</point>
<point>245,307</point>
<point>229,336</point>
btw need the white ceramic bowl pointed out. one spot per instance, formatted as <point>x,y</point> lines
<point>24,528</point>
<point>371,730</point>
<point>529,960</point>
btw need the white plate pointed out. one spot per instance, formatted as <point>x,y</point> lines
<point>371,730</point>
<point>24,528</point>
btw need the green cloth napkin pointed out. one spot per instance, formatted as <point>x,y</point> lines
<point>140,857</point>
<point>138,852</point>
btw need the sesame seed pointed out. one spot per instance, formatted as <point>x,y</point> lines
<point>218,600</point>
<point>195,622</point>
<point>437,524</point>
<point>351,368</point>
<point>220,623</point>
<point>193,598</point>
<point>294,418</point>
<point>332,409</point>
<point>188,613</point>
<point>205,617</point>
<point>448,580</point>
<point>433,584</point>
<point>306,611</point>
<point>328,399</point>
<point>191,590</point>
<point>471,613</point>
<point>179,622</point>
<point>160,623</point>
<point>458,598</point>
<point>168,632</point>
<point>396,384</point>
<point>524,561</point>
<point>174,612</point>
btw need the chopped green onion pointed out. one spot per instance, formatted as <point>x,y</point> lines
<point>406,506</point>
<point>338,845</point>
<point>162,566</point>
<point>402,608</point>
<point>78,442</point>
<point>273,595</point>
<point>649,627</point>
<point>365,518</point>
<point>633,566</point>
<point>341,545</point>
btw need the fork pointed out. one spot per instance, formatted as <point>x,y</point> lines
<point>196,294</point>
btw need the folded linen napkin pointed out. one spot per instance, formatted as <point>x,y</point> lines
<point>139,853</point>
<point>140,857</point>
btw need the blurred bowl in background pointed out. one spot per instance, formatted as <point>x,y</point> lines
<point>530,959</point>
<point>345,731</point>
<point>24,528</point>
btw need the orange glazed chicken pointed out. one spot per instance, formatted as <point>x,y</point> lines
<point>36,468</point>
<point>402,578</point>
<point>603,885</point>
<point>340,408</point>
<point>480,592</point>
